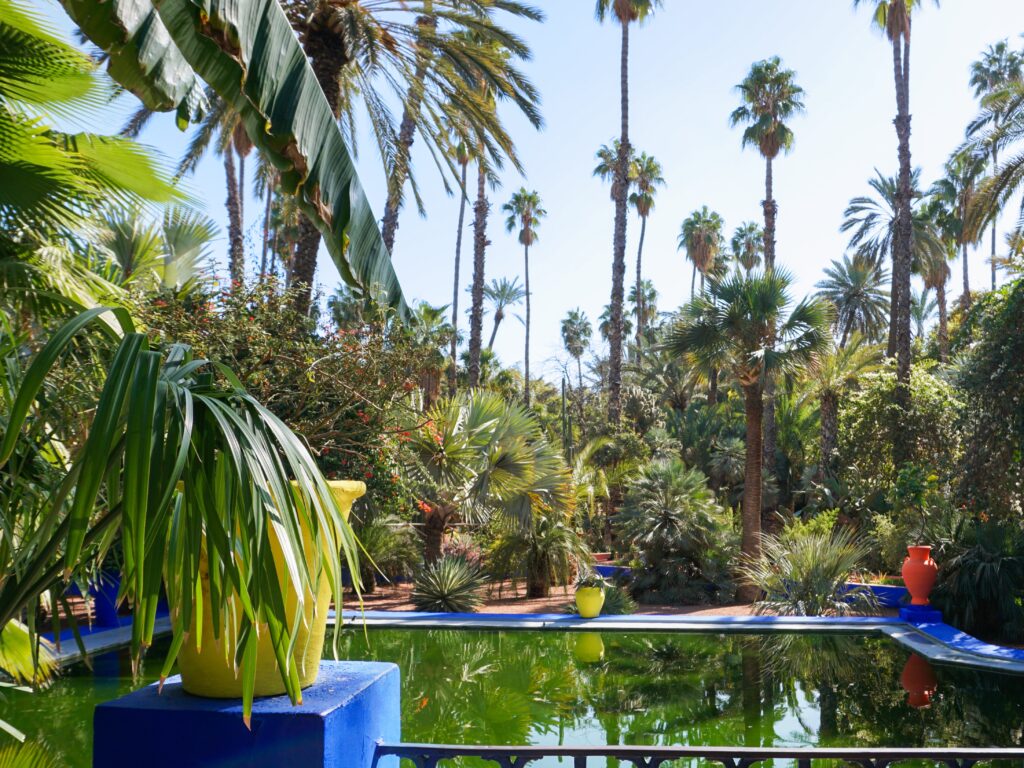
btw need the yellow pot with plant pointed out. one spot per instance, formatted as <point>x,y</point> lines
<point>590,595</point>
<point>206,660</point>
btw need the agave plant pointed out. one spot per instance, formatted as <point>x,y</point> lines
<point>808,575</point>
<point>448,585</point>
<point>179,463</point>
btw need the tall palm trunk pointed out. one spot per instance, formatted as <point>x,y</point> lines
<point>328,58</point>
<point>829,407</point>
<point>236,249</point>
<point>499,315</point>
<point>771,211</point>
<point>620,190</point>
<point>641,309</point>
<point>476,314</point>
<point>453,371</point>
<point>579,374</point>
<point>426,24</point>
<point>904,241</point>
<point>751,537</point>
<point>940,296</point>
<point>965,297</point>
<point>526,363</point>
<point>266,232</point>
<point>995,219</point>
<point>693,280</point>
<point>434,525</point>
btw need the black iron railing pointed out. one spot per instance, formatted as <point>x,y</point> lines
<point>428,755</point>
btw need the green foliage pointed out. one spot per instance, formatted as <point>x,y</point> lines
<point>992,380</point>
<point>448,585</point>
<point>980,589</point>
<point>807,575</point>
<point>547,551</point>
<point>392,549</point>
<point>869,417</point>
<point>820,524</point>
<point>682,539</point>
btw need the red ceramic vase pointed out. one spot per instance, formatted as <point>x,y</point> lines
<point>918,680</point>
<point>919,572</point>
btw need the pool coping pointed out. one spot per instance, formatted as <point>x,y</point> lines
<point>936,642</point>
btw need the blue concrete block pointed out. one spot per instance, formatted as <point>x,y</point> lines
<point>351,707</point>
<point>921,614</point>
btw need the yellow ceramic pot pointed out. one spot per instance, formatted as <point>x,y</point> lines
<point>589,648</point>
<point>589,602</point>
<point>209,670</point>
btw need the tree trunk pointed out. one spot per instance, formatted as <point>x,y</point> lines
<point>620,189</point>
<point>499,315</point>
<point>526,363</point>
<point>751,536</point>
<point>770,213</point>
<point>579,374</point>
<point>940,296</point>
<point>236,249</point>
<point>846,332</point>
<point>328,57</point>
<point>641,309</point>
<point>829,429</point>
<point>903,245</point>
<point>453,371</point>
<point>266,230</point>
<point>713,387</point>
<point>965,297</point>
<point>538,583</point>
<point>434,525</point>
<point>995,218</point>
<point>693,280</point>
<point>476,314</point>
<point>425,24</point>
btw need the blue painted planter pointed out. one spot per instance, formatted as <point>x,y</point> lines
<point>889,595</point>
<point>614,572</point>
<point>104,597</point>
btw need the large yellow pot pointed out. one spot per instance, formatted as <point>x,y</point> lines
<point>589,602</point>
<point>209,671</point>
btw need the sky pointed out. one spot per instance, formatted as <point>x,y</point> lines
<point>685,63</point>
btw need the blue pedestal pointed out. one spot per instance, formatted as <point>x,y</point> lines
<point>352,706</point>
<point>921,614</point>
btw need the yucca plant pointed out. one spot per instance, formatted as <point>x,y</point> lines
<point>179,463</point>
<point>448,585</point>
<point>808,575</point>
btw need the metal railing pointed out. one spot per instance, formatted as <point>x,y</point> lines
<point>428,755</point>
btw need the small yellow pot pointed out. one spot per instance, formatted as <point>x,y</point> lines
<point>209,671</point>
<point>589,602</point>
<point>589,648</point>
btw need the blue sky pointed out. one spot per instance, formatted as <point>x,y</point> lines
<point>685,63</point>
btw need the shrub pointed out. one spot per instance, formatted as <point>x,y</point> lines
<point>981,587</point>
<point>808,575</point>
<point>821,524</point>
<point>548,552</point>
<point>392,547</point>
<point>681,538</point>
<point>448,585</point>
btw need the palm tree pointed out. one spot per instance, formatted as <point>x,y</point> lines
<point>956,190</point>
<point>576,333</point>
<point>625,13</point>
<point>460,149</point>
<point>646,297</point>
<point>743,320</point>
<point>856,288</point>
<point>997,67</point>
<point>607,159</point>
<point>770,97</point>
<point>831,374</point>
<point>873,221</point>
<point>354,46</point>
<point>502,294</point>
<point>524,213</point>
<point>646,177</point>
<point>893,18</point>
<point>935,269</point>
<point>922,309</point>
<point>701,237</point>
<point>748,245</point>
<point>604,324</point>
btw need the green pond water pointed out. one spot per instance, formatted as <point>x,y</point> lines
<point>485,687</point>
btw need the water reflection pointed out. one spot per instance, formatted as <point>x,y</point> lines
<point>919,681</point>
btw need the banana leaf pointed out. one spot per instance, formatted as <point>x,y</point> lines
<point>248,53</point>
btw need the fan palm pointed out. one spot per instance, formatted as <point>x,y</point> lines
<point>502,294</point>
<point>743,320</point>
<point>645,303</point>
<point>607,159</point>
<point>576,334</point>
<point>460,150</point>
<point>997,67</point>
<point>922,310</point>
<point>856,288</point>
<point>604,324</point>
<point>873,221</point>
<point>748,245</point>
<point>701,237</point>
<point>623,12</point>
<point>893,19</point>
<point>770,97</point>
<point>524,213</point>
<point>830,375</point>
<point>935,269</point>
<point>956,190</point>
<point>646,176</point>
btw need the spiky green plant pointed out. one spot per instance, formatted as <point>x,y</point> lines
<point>448,585</point>
<point>808,575</point>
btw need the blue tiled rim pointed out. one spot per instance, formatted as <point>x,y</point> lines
<point>935,641</point>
